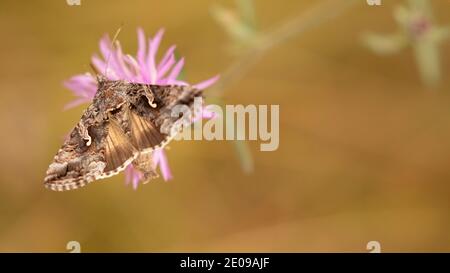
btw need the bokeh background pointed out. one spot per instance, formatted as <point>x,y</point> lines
<point>364,146</point>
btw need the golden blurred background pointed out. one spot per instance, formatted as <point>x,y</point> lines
<point>364,146</point>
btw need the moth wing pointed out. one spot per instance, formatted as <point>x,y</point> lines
<point>119,152</point>
<point>75,163</point>
<point>145,134</point>
<point>153,125</point>
<point>111,150</point>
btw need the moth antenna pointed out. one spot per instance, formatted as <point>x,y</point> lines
<point>112,48</point>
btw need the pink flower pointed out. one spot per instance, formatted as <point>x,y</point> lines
<point>143,68</point>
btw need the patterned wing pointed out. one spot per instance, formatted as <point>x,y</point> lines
<point>100,147</point>
<point>119,152</point>
<point>152,119</point>
<point>77,164</point>
<point>144,133</point>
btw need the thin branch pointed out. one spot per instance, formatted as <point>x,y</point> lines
<point>315,16</point>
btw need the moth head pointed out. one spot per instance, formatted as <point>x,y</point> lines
<point>110,96</point>
<point>112,102</point>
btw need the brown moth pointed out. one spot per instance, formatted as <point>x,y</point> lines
<point>123,125</point>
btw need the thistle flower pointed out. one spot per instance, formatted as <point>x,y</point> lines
<point>417,29</point>
<point>143,68</point>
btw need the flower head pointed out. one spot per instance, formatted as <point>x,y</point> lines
<point>142,68</point>
<point>418,30</point>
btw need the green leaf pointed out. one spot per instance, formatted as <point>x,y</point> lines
<point>232,23</point>
<point>421,6</point>
<point>402,16</point>
<point>385,44</point>
<point>247,11</point>
<point>244,156</point>
<point>241,146</point>
<point>428,61</point>
<point>439,34</point>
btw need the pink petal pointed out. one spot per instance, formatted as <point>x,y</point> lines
<point>141,46</point>
<point>99,64</point>
<point>136,179</point>
<point>76,102</point>
<point>205,114</point>
<point>128,174</point>
<point>208,114</point>
<point>151,62</point>
<point>176,70</point>
<point>108,54</point>
<point>82,85</point>
<point>157,40</point>
<point>121,63</point>
<point>207,83</point>
<point>166,67</point>
<point>132,176</point>
<point>133,64</point>
<point>88,78</point>
<point>85,80</point>
<point>167,56</point>
<point>153,49</point>
<point>161,160</point>
<point>111,67</point>
<point>105,46</point>
<point>141,58</point>
<point>176,82</point>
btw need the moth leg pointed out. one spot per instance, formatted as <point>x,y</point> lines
<point>145,164</point>
<point>150,96</point>
<point>83,130</point>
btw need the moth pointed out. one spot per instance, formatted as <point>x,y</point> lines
<point>123,125</point>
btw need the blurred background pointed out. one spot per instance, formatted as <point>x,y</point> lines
<point>364,140</point>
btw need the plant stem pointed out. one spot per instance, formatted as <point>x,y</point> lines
<point>315,16</point>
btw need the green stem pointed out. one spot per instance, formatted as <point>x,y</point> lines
<point>320,13</point>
